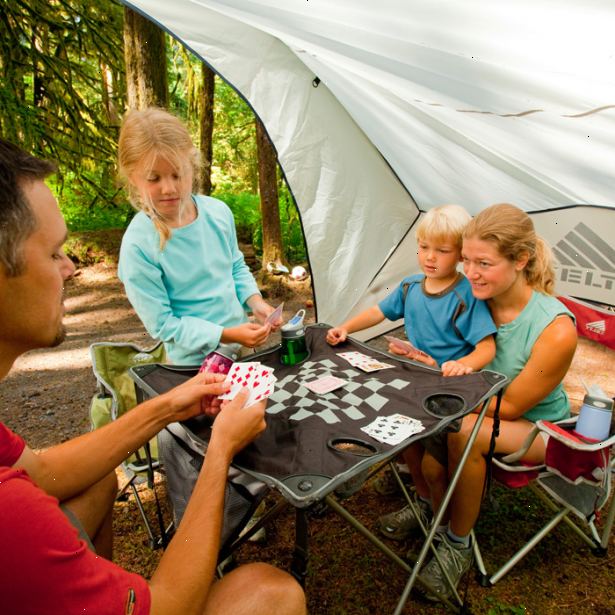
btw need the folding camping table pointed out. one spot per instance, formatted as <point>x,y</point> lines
<point>313,445</point>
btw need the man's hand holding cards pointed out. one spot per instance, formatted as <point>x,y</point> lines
<point>253,376</point>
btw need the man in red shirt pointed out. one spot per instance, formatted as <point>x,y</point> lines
<point>44,566</point>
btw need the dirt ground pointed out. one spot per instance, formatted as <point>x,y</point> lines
<point>46,398</point>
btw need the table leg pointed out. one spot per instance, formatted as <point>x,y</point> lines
<point>300,555</point>
<point>438,517</point>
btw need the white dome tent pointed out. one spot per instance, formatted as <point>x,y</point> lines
<point>382,110</point>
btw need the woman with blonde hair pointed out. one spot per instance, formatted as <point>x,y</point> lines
<point>511,268</point>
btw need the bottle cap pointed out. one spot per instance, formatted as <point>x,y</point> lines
<point>294,327</point>
<point>598,402</point>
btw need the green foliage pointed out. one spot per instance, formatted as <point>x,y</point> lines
<point>62,94</point>
<point>497,608</point>
<point>246,211</point>
<point>83,213</point>
<point>234,142</point>
<point>61,84</point>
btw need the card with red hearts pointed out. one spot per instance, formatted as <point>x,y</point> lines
<point>252,375</point>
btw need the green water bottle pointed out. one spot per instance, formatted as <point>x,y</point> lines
<point>294,349</point>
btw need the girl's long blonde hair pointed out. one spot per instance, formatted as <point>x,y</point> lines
<point>512,232</point>
<point>145,135</point>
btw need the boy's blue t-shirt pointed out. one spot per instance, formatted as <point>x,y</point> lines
<point>446,325</point>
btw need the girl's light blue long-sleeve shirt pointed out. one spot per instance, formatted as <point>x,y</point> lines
<point>187,293</point>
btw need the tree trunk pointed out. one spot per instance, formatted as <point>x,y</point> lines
<point>268,188</point>
<point>207,127</point>
<point>146,62</point>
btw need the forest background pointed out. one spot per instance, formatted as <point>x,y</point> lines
<point>69,70</point>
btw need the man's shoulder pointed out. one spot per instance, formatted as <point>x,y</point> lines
<point>11,446</point>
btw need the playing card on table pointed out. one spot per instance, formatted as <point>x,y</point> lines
<point>403,345</point>
<point>363,361</point>
<point>353,357</point>
<point>393,429</point>
<point>275,315</point>
<point>326,384</point>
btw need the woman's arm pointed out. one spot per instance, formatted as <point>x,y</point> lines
<point>545,369</point>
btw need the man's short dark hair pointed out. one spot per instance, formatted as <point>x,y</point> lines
<point>17,220</point>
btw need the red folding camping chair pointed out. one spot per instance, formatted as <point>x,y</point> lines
<point>574,483</point>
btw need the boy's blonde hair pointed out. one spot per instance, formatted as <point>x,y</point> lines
<point>145,135</point>
<point>512,232</point>
<point>443,224</point>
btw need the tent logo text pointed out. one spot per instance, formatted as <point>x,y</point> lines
<point>585,259</point>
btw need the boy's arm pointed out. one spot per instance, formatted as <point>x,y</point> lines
<point>483,353</point>
<point>368,318</point>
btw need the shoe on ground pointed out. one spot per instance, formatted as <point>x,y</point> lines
<point>456,559</point>
<point>386,483</point>
<point>402,523</point>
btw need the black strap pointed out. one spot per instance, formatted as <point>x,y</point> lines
<point>494,435</point>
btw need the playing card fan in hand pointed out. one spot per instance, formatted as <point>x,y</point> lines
<point>251,375</point>
<point>403,345</point>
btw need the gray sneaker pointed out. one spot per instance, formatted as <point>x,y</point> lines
<point>386,483</point>
<point>455,559</point>
<point>400,524</point>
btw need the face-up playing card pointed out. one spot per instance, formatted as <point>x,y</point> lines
<point>326,384</point>
<point>403,345</point>
<point>275,315</point>
<point>252,375</point>
<point>393,429</point>
<point>363,361</point>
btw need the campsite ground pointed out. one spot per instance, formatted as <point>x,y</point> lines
<point>46,400</point>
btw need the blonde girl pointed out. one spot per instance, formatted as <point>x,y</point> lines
<point>182,269</point>
<point>179,260</point>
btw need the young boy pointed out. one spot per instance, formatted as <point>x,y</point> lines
<point>443,320</point>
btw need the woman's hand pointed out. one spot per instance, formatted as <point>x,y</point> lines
<point>455,368</point>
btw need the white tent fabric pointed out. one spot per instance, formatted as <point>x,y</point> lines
<point>419,103</point>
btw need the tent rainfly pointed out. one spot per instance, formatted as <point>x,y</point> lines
<point>381,110</point>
